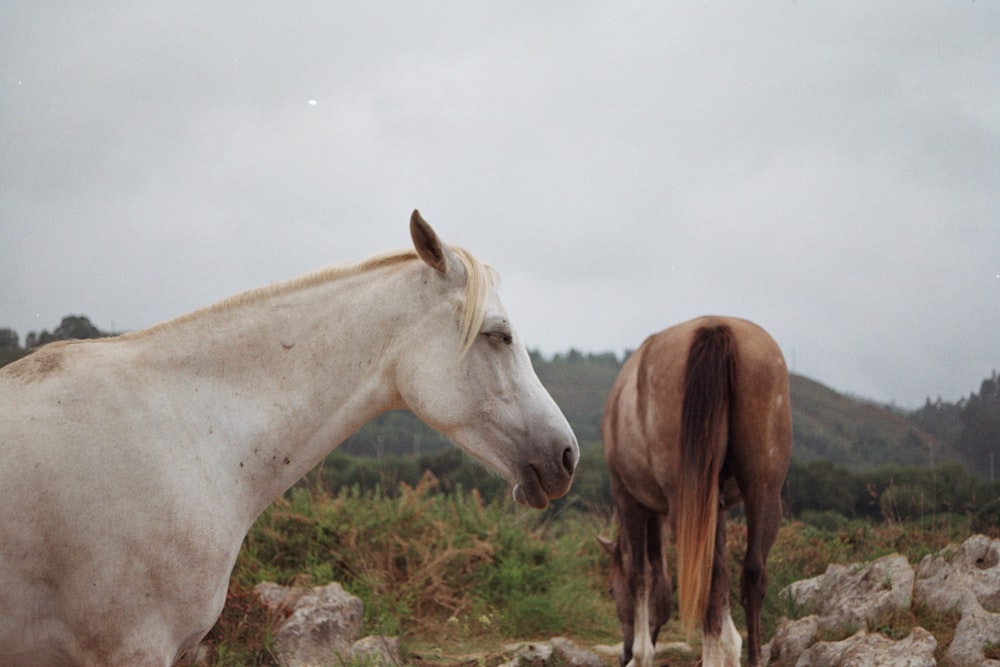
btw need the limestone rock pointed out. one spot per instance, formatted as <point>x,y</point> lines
<point>976,629</point>
<point>531,654</point>
<point>791,639</point>
<point>325,622</point>
<point>557,651</point>
<point>960,577</point>
<point>571,655</point>
<point>866,649</point>
<point>847,598</point>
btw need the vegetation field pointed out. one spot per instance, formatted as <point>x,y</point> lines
<point>458,578</point>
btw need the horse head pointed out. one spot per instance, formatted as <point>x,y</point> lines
<point>465,372</point>
<point>617,581</point>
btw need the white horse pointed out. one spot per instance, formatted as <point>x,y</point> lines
<point>131,468</point>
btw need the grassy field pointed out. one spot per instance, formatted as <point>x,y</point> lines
<point>457,578</point>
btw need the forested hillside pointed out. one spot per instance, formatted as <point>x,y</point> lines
<point>858,434</point>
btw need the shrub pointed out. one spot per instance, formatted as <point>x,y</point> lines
<point>827,520</point>
<point>419,559</point>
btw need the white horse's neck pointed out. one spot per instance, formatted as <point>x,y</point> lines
<point>268,384</point>
<point>132,468</point>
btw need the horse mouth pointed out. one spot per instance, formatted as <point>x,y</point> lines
<point>531,490</point>
<point>531,494</point>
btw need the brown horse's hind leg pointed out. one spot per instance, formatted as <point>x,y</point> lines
<point>659,587</point>
<point>721,641</point>
<point>763,517</point>
<point>644,604</point>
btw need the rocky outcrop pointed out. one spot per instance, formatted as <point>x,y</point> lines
<point>854,599</point>
<point>965,578</point>
<point>849,597</point>
<point>557,651</point>
<point>961,577</point>
<point>869,649</point>
<point>322,627</point>
<point>571,654</point>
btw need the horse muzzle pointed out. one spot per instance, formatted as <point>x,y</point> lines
<point>542,480</point>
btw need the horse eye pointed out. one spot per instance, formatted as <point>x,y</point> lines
<point>500,337</point>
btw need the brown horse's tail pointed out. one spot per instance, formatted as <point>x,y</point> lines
<point>708,387</point>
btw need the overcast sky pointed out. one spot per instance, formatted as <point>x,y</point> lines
<point>830,170</point>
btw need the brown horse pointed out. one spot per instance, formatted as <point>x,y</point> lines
<point>697,421</point>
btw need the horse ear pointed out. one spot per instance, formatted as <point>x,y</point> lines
<point>606,544</point>
<point>428,245</point>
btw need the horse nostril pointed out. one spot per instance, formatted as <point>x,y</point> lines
<point>567,460</point>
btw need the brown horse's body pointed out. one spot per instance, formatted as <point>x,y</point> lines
<point>697,420</point>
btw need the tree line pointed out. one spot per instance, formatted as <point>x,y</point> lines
<point>818,492</point>
<point>972,423</point>
<point>72,327</point>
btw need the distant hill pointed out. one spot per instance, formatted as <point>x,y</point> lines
<point>850,432</point>
<point>856,433</point>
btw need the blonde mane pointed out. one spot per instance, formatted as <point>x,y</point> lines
<point>481,279</point>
